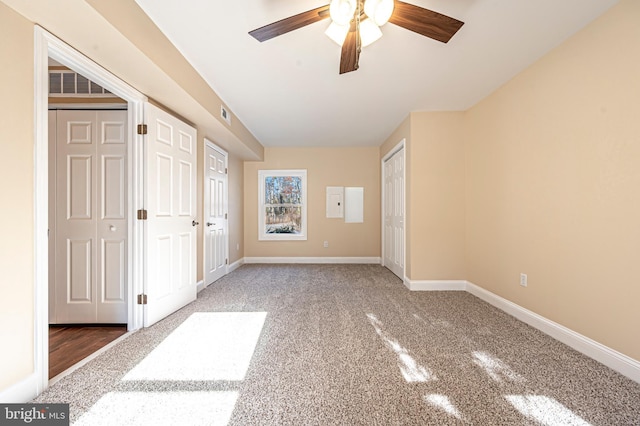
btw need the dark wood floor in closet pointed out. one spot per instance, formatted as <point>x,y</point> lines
<point>71,344</point>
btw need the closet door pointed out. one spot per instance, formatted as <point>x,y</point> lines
<point>394,212</point>
<point>52,120</point>
<point>215,214</point>
<point>111,234</point>
<point>91,217</point>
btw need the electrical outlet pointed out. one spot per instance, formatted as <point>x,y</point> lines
<point>523,280</point>
<point>326,244</point>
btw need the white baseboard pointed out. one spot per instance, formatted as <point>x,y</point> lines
<point>361,260</point>
<point>435,285</point>
<point>235,265</point>
<point>617,361</point>
<point>23,391</point>
<point>200,286</point>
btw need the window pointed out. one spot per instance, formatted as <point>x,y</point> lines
<point>282,204</point>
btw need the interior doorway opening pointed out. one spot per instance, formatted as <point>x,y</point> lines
<point>48,46</point>
<point>160,230</point>
<point>88,184</point>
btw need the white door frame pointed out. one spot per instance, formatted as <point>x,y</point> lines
<point>215,147</point>
<point>47,45</point>
<point>391,153</point>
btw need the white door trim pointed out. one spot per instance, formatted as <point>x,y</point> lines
<point>47,45</point>
<point>401,145</point>
<point>204,209</point>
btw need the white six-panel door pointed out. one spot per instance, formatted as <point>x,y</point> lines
<point>90,217</point>
<point>394,213</point>
<point>215,214</point>
<point>52,136</point>
<point>170,240</point>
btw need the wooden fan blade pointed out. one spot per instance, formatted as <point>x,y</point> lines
<point>291,23</point>
<point>350,54</point>
<point>424,21</point>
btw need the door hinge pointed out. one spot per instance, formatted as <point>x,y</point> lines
<point>142,214</point>
<point>226,261</point>
<point>226,171</point>
<point>142,129</point>
<point>142,299</point>
<point>225,215</point>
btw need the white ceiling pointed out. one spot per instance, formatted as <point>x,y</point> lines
<point>287,91</point>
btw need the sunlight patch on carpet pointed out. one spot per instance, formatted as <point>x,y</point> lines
<point>206,346</point>
<point>444,403</point>
<point>545,410</point>
<point>161,408</point>
<point>411,370</point>
<point>495,368</point>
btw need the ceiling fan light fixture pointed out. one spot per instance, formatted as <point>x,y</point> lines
<point>369,32</point>
<point>337,33</point>
<point>341,11</point>
<point>379,10</point>
<point>363,27</point>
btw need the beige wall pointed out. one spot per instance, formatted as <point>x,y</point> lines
<point>236,209</point>
<point>553,184</point>
<point>16,187</point>
<point>435,215</point>
<point>434,148</point>
<point>325,167</point>
<point>540,178</point>
<point>402,132</point>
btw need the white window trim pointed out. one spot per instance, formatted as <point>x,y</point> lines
<point>262,235</point>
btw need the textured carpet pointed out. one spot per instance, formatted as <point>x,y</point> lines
<point>347,345</point>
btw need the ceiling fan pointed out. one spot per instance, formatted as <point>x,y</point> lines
<point>355,23</point>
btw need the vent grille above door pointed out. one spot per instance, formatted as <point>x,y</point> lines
<point>70,83</point>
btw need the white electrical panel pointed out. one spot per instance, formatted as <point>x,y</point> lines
<point>354,204</point>
<point>335,201</point>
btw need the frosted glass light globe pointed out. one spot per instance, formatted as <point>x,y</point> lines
<point>379,10</point>
<point>341,11</point>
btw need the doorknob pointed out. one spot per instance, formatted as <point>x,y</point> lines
<point>210,223</point>
<point>194,223</point>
